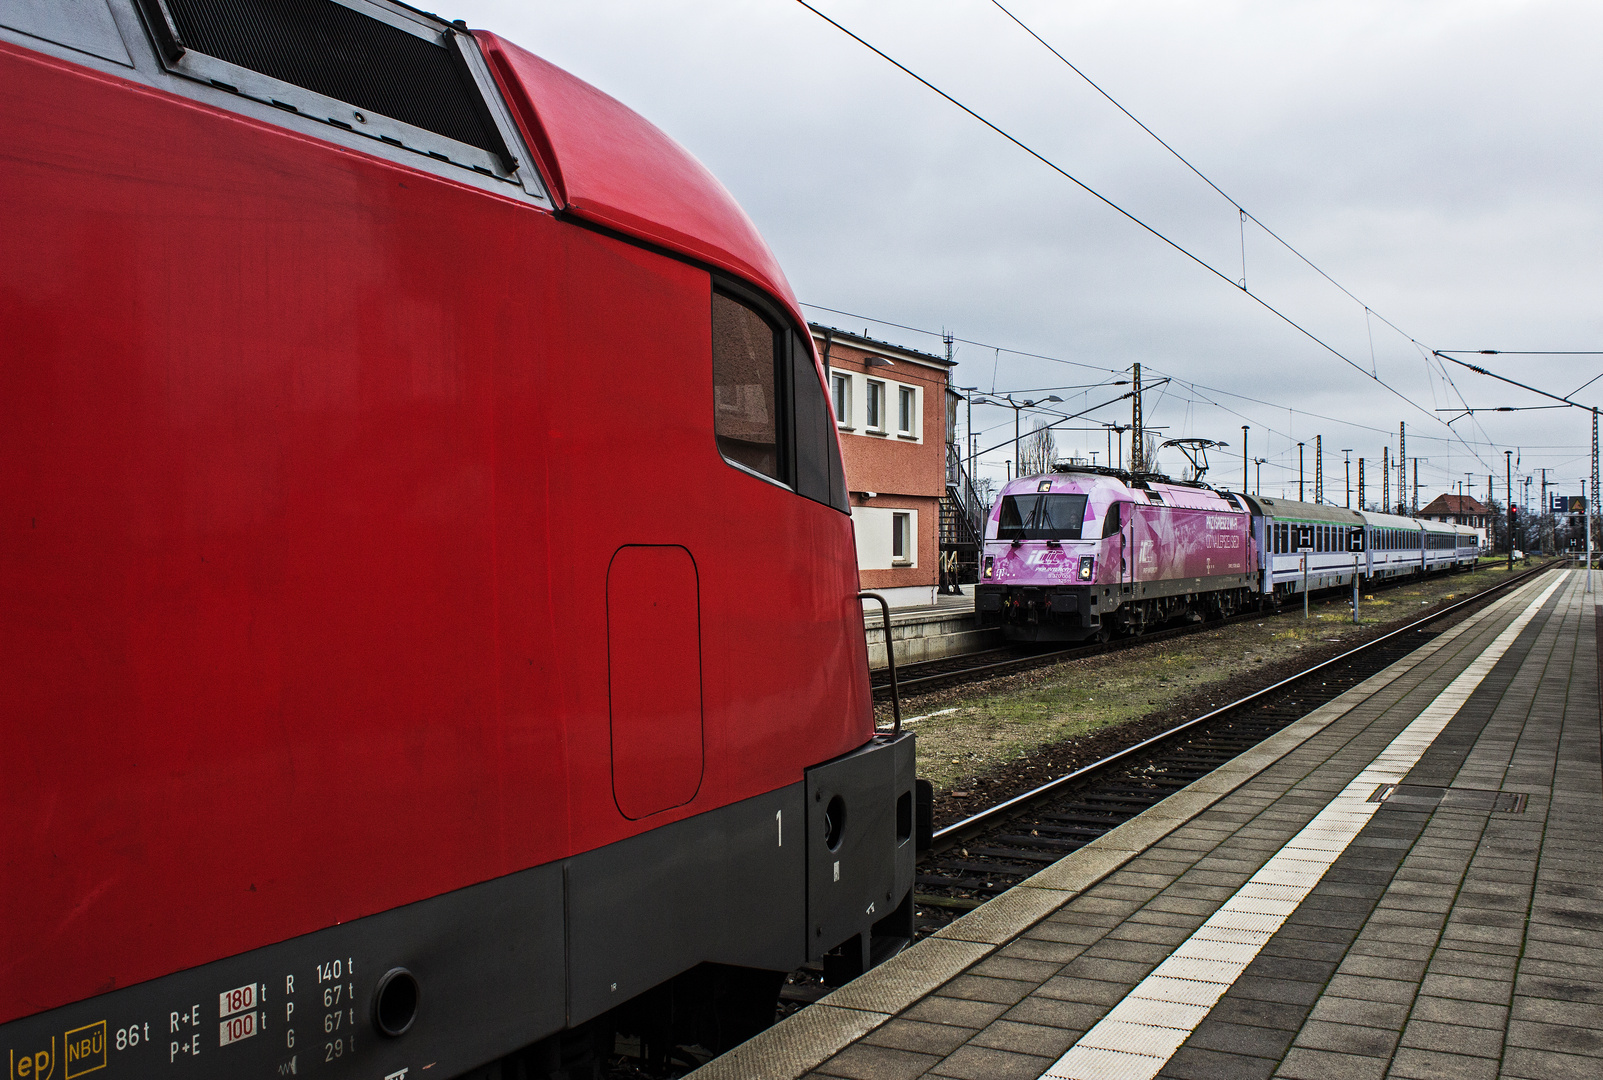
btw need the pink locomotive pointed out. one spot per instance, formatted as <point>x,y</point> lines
<point>1088,552</point>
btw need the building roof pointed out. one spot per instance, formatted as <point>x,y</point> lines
<point>868,344</point>
<point>1456,505</point>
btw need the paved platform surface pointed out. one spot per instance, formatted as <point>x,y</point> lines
<point>1275,920</point>
<point>944,607</point>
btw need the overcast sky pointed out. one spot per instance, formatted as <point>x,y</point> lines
<point>1442,161</point>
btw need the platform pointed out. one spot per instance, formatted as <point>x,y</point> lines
<point>929,632</point>
<point>1404,883</point>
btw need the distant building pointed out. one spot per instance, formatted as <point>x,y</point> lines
<point>1458,510</point>
<point>891,410</point>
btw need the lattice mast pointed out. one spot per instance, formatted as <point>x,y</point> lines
<point>1402,463</point>
<point>1137,451</point>
<point>1319,469</point>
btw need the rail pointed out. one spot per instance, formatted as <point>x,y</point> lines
<point>1001,808</point>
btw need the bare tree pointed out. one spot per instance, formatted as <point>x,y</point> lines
<point>1038,450</point>
<point>1149,450</point>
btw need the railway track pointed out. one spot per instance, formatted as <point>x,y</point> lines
<point>987,853</point>
<point>1011,659</point>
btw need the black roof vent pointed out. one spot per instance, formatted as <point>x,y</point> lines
<point>340,53</point>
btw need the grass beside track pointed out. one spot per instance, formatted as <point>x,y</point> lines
<point>981,734</point>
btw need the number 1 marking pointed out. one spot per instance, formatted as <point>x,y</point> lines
<point>779,825</point>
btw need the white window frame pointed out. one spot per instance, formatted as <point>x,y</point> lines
<point>874,406</point>
<point>840,396</point>
<point>907,400</point>
<point>902,535</point>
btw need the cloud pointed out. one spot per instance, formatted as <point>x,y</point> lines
<point>1440,159</point>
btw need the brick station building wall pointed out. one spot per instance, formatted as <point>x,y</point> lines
<point>904,469</point>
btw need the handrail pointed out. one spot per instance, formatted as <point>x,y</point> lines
<point>890,657</point>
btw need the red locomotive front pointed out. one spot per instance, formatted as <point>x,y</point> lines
<point>430,613</point>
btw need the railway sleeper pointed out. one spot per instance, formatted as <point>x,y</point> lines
<point>1016,854</point>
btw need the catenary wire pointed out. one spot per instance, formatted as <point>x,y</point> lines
<point>1177,379</point>
<point>1260,301</point>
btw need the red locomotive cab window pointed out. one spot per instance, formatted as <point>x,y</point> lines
<point>818,466</point>
<point>744,379</point>
<point>770,415</point>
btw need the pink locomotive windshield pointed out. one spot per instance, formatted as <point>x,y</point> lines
<point>1154,532</point>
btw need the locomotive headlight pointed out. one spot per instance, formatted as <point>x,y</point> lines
<point>990,566</point>
<point>1087,564</point>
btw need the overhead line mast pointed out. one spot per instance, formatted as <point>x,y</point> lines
<point>1138,456</point>
<point>1319,469</point>
<point>1591,513</point>
<point>1402,462</point>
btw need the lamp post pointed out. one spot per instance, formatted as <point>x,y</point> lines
<point>969,479</point>
<point>1119,430</point>
<point>1244,458</point>
<point>1018,408</point>
<point>1508,494</point>
<point>1257,487</point>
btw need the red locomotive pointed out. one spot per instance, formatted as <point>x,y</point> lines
<point>373,705</point>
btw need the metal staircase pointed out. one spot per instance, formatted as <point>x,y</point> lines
<point>961,525</point>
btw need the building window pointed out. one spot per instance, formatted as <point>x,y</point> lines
<point>841,386</point>
<point>905,396</point>
<point>902,538</point>
<point>876,405</point>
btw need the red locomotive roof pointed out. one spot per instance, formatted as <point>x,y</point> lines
<point>608,164</point>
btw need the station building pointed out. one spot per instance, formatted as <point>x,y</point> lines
<point>1457,510</point>
<point>891,411</point>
